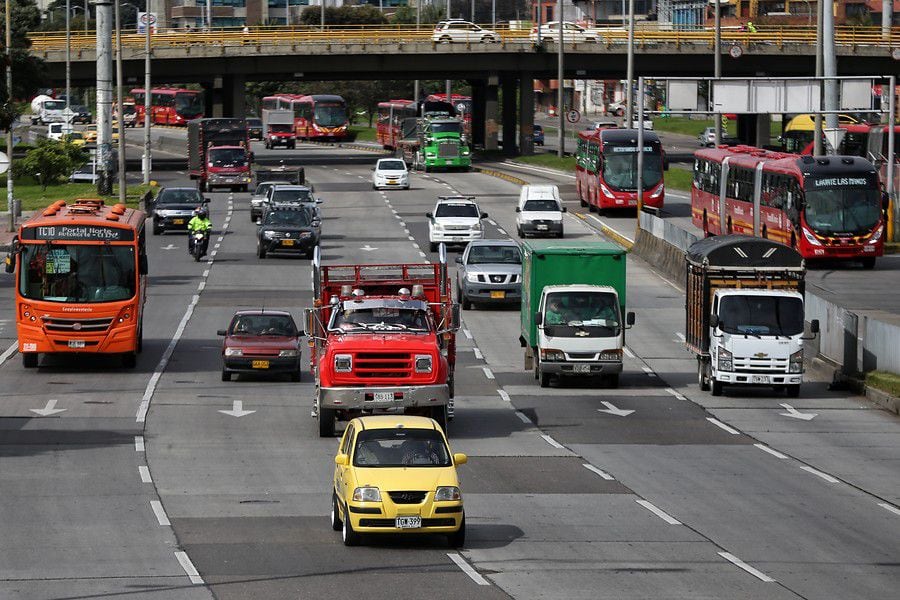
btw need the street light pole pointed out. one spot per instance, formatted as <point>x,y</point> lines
<point>560,91</point>
<point>9,132</point>
<point>416,82</point>
<point>147,162</point>
<point>629,83</point>
<point>287,13</point>
<point>121,111</point>
<point>817,129</point>
<point>717,69</point>
<point>448,83</point>
<point>68,55</point>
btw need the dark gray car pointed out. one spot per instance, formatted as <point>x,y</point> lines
<point>489,272</point>
<point>172,208</point>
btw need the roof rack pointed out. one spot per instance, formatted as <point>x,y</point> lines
<point>457,197</point>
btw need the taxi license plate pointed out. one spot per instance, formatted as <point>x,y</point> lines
<point>499,294</point>
<point>177,221</point>
<point>408,522</point>
<point>76,343</point>
<point>542,228</point>
<point>759,379</point>
<point>260,364</point>
<point>581,369</point>
<point>287,242</point>
<point>383,396</point>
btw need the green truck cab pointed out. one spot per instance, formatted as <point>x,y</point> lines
<point>444,144</point>
<point>573,317</point>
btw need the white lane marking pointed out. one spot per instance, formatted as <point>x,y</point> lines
<point>467,333</point>
<point>492,222</point>
<point>402,224</point>
<point>160,513</point>
<point>774,453</point>
<point>138,443</point>
<point>487,372</point>
<point>504,395</point>
<point>628,352</point>
<point>551,441</point>
<point>675,393</point>
<point>722,425</point>
<point>411,238</point>
<point>680,336</point>
<point>501,231</point>
<point>603,474</point>
<point>9,352</point>
<point>206,273</point>
<point>216,247</point>
<point>145,474</point>
<point>189,568</point>
<point>648,371</point>
<point>523,418</point>
<point>422,254</point>
<point>819,473</point>
<point>468,570</point>
<point>742,565</point>
<point>889,508</point>
<point>201,287</point>
<point>659,512</point>
<point>478,353</point>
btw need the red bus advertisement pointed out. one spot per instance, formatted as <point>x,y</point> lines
<point>390,119</point>
<point>80,281</point>
<point>828,207</point>
<point>606,169</point>
<point>169,106</point>
<point>462,105</point>
<point>321,117</point>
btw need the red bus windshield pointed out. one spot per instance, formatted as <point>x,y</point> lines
<point>620,167</point>
<point>330,114</point>
<point>842,205</point>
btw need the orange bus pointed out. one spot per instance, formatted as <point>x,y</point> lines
<point>80,281</point>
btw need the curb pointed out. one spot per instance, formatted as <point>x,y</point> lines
<point>883,399</point>
<point>500,175</point>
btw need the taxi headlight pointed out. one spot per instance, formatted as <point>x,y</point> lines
<point>447,493</point>
<point>366,494</point>
<point>233,352</point>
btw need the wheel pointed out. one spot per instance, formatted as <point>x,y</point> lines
<point>267,146</point>
<point>543,377</point>
<point>793,390</point>
<point>487,40</point>
<point>296,375</point>
<point>592,208</point>
<point>30,360</point>
<point>129,360</point>
<point>140,339</point>
<point>465,302</point>
<point>519,232</point>
<point>560,234</point>
<point>260,251</point>
<point>444,39</point>
<point>868,262</point>
<point>620,112</point>
<point>326,422</point>
<point>336,523</point>
<point>439,414</point>
<point>432,246</point>
<point>226,376</point>
<point>702,379</point>
<point>457,539</point>
<point>348,535</point>
<point>202,185</point>
<point>716,387</point>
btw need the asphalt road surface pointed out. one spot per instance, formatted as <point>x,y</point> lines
<point>143,489</point>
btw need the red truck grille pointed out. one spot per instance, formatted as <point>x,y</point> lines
<point>378,365</point>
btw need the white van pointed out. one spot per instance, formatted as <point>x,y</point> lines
<point>55,131</point>
<point>540,211</point>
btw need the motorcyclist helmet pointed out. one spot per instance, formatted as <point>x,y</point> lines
<point>203,212</point>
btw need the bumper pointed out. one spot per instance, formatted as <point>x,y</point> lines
<point>542,228</point>
<point>396,183</point>
<point>847,252</point>
<point>380,517</point>
<point>758,378</point>
<point>344,398</point>
<point>455,237</point>
<point>256,210</point>
<point>117,340</point>
<point>303,246</point>
<point>166,223</point>
<point>485,294</point>
<point>281,141</point>
<point>265,364</point>
<point>577,368</point>
<point>461,161</point>
<point>216,179</point>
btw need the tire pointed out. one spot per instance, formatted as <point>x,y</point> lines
<point>432,246</point>
<point>868,262</point>
<point>715,387</point>
<point>592,208</point>
<point>348,535</point>
<point>202,185</point>
<point>793,390</point>
<point>620,112</point>
<point>129,360</point>
<point>560,234</point>
<point>583,202</point>
<point>457,539</point>
<point>226,376</point>
<point>326,422</point>
<point>451,386</point>
<point>336,523</point>
<point>444,39</point>
<point>465,302</point>
<point>439,414</point>
<point>30,360</point>
<point>702,380</point>
<point>260,251</point>
<point>519,232</point>
<point>487,40</point>
<point>544,378</point>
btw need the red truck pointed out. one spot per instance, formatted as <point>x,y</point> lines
<point>383,339</point>
<point>219,153</point>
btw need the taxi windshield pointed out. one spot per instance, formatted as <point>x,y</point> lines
<point>400,448</point>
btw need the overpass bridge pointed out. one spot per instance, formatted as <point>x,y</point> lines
<point>223,60</point>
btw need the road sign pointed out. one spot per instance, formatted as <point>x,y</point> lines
<point>4,163</point>
<point>143,19</point>
<point>573,116</point>
<point>68,114</point>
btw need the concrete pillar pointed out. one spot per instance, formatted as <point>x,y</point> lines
<point>746,129</point>
<point>234,96</point>
<point>479,100</point>
<point>491,122</point>
<point>509,116</point>
<point>526,113</point>
<point>212,97</point>
<point>763,134</point>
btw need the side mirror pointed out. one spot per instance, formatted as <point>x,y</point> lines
<point>538,318</point>
<point>222,332</point>
<point>143,268</point>
<point>342,460</point>
<point>206,201</point>
<point>814,326</point>
<point>10,263</point>
<point>484,215</point>
<point>517,210</point>
<point>429,215</point>
<point>373,168</point>
<point>459,260</point>
<point>714,321</point>
<point>629,319</point>
<point>460,459</point>
<point>665,164</point>
<point>455,319</point>
<point>319,201</point>
<point>316,222</point>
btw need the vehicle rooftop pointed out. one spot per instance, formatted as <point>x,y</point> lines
<point>626,135</point>
<point>262,311</point>
<point>510,243</point>
<point>393,421</point>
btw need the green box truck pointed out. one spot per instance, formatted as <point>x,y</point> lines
<point>573,304</point>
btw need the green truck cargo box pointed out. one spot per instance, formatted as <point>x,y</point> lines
<point>546,262</point>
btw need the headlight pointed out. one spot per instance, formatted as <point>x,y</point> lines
<point>606,191</point>
<point>437,226</point>
<point>233,352</point>
<point>658,191</point>
<point>424,363</point>
<point>550,355</point>
<point>366,494</point>
<point>810,237</point>
<point>472,277</point>
<point>465,152</point>
<point>725,360</point>
<point>289,353</point>
<point>447,493</point>
<point>877,235</point>
<point>796,363</point>
<point>269,235</point>
<point>430,154</point>
<point>615,355</point>
<point>477,225</point>
<point>343,363</point>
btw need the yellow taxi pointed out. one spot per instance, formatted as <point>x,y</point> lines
<point>395,474</point>
<point>90,134</point>
<point>75,138</point>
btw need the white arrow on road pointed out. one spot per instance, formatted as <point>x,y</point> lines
<point>170,247</point>
<point>368,248</point>
<point>796,414</point>
<point>48,410</point>
<point>237,410</point>
<point>611,409</point>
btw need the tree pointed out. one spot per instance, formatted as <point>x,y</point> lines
<point>365,14</point>
<point>50,161</point>
<point>28,71</point>
<point>429,14</point>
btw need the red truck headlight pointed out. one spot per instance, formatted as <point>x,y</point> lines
<point>343,363</point>
<point>424,363</point>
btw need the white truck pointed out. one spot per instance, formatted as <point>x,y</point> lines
<point>278,128</point>
<point>45,110</point>
<point>744,313</point>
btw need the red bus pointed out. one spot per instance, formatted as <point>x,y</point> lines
<point>169,106</point>
<point>278,102</point>
<point>321,117</point>
<point>824,206</point>
<point>390,120</point>
<point>462,105</point>
<point>606,169</point>
<point>80,273</point>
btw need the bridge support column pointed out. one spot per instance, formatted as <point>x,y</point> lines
<point>491,123</point>
<point>526,113</point>
<point>746,129</point>
<point>234,97</point>
<point>509,116</point>
<point>212,97</point>
<point>763,132</point>
<point>479,100</point>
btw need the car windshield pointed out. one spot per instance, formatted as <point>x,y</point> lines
<point>54,104</point>
<point>391,165</point>
<point>494,255</point>
<point>263,188</point>
<point>454,127</point>
<point>294,218</point>
<point>292,196</point>
<point>843,210</point>
<point>761,315</point>
<point>190,196</point>
<point>400,447</point>
<point>456,210</point>
<point>129,109</point>
<point>263,325</point>
<point>581,310</point>
<point>620,168</point>
<point>189,104</point>
<point>281,128</point>
<point>541,205</point>
<point>379,318</point>
<point>228,157</point>
<point>77,273</point>
<point>330,114</point>
<point>254,122</point>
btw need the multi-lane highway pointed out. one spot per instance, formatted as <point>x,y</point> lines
<point>148,484</point>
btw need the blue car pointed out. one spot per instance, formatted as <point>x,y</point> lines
<point>538,135</point>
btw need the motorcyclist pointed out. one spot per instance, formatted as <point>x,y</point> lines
<point>199,223</point>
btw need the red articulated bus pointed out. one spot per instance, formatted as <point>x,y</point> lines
<point>321,117</point>
<point>606,169</point>
<point>388,127</point>
<point>824,206</point>
<point>169,106</point>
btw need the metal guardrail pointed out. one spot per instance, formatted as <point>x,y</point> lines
<point>348,34</point>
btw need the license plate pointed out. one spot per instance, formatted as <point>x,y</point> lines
<point>287,242</point>
<point>177,221</point>
<point>260,364</point>
<point>499,294</point>
<point>383,396</point>
<point>542,228</point>
<point>581,368</point>
<point>759,379</point>
<point>76,343</point>
<point>408,522</point>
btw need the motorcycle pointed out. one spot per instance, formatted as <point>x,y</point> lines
<point>198,241</point>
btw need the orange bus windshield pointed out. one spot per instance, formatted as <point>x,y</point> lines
<point>77,273</point>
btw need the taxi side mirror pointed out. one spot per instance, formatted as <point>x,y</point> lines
<point>342,460</point>
<point>460,459</point>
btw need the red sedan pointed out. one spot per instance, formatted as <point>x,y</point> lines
<point>261,341</point>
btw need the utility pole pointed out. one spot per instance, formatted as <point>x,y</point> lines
<point>560,91</point>
<point>322,16</point>
<point>209,15</point>
<point>887,18</point>
<point>829,66</point>
<point>9,132</point>
<point>817,129</point>
<point>449,83</point>
<point>540,9</point>
<point>68,55</point>
<point>121,108</point>
<point>717,68</point>
<point>418,23</point>
<point>104,94</point>
<point>147,162</point>
<point>629,83</point>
